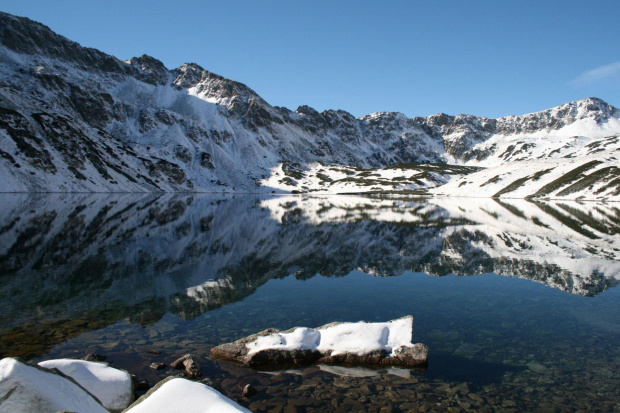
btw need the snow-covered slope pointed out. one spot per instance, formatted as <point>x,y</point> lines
<point>587,177</point>
<point>76,119</point>
<point>334,179</point>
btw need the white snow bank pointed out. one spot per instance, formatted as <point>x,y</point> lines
<point>183,396</point>
<point>357,338</point>
<point>27,389</point>
<point>111,386</point>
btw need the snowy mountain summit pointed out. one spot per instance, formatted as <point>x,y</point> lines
<point>75,119</point>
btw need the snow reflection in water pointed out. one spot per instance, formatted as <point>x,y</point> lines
<point>121,275</point>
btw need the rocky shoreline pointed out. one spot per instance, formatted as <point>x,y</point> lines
<point>91,385</point>
<point>95,387</point>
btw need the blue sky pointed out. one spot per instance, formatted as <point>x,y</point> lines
<point>489,58</point>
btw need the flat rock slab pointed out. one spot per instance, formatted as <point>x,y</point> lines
<point>387,343</point>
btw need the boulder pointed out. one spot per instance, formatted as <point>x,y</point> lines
<point>387,343</point>
<point>113,387</point>
<point>181,395</point>
<point>25,388</point>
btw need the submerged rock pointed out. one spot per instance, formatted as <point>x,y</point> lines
<point>94,357</point>
<point>249,391</point>
<point>386,343</point>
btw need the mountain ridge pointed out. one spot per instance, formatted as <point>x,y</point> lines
<point>101,124</point>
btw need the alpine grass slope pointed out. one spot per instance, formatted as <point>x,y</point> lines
<point>73,119</point>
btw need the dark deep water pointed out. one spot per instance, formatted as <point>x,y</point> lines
<point>517,301</point>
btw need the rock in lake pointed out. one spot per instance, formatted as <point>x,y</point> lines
<point>157,366</point>
<point>94,357</point>
<point>249,391</point>
<point>190,363</point>
<point>387,343</point>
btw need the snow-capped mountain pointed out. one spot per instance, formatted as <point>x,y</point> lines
<point>76,119</point>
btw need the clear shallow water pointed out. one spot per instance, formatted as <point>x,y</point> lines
<point>125,275</point>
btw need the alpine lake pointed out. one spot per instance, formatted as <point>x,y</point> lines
<point>517,301</point>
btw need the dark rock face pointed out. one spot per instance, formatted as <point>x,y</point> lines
<point>23,35</point>
<point>95,110</point>
<point>150,70</point>
<point>206,160</point>
<point>21,130</point>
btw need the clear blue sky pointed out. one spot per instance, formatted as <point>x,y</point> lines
<point>489,58</point>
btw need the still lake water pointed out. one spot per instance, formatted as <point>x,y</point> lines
<point>517,301</point>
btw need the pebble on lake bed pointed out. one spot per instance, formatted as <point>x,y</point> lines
<point>249,391</point>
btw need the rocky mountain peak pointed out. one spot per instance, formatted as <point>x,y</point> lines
<point>235,96</point>
<point>596,107</point>
<point>307,110</point>
<point>25,36</point>
<point>440,119</point>
<point>149,70</point>
<point>557,117</point>
<point>188,75</point>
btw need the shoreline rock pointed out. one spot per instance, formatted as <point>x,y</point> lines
<point>112,386</point>
<point>26,388</point>
<point>95,387</point>
<point>183,395</point>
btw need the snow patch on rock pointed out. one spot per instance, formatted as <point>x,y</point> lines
<point>27,389</point>
<point>357,338</point>
<point>111,386</point>
<point>181,395</point>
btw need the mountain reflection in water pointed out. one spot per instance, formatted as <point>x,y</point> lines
<point>136,257</point>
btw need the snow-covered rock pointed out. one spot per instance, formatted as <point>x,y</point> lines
<point>111,386</point>
<point>181,395</point>
<point>386,343</point>
<point>27,389</point>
